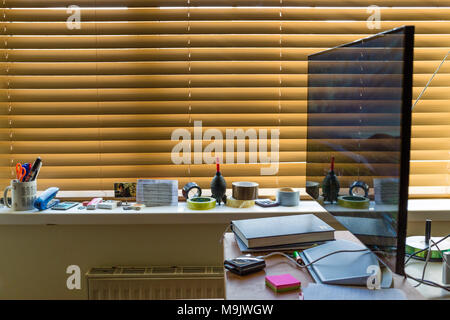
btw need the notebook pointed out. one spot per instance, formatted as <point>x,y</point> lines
<point>273,231</point>
<point>283,247</point>
<point>341,268</point>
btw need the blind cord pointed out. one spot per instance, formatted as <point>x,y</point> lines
<point>431,79</point>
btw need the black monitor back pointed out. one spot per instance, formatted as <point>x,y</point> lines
<point>359,112</point>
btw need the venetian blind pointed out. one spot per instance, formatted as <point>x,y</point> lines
<point>100,100</point>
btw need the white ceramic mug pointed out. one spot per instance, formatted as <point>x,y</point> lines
<point>23,195</point>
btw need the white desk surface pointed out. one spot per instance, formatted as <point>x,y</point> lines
<point>155,215</point>
<point>433,273</point>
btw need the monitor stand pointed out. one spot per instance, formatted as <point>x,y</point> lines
<point>346,268</point>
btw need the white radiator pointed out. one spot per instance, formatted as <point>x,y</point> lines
<point>155,283</point>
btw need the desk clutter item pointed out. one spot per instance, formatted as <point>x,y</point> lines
<point>21,171</point>
<point>46,199</point>
<point>201,203</point>
<point>233,203</point>
<point>288,197</point>
<point>316,291</point>
<point>218,185</point>
<point>23,195</point>
<point>282,283</point>
<point>286,247</point>
<point>108,204</point>
<point>354,202</point>
<point>245,190</point>
<point>191,190</point>
<point>24,188</point>
<point>344,268</point>
<point>137,206</point>
<point>244,265</point>
<point>266,203</point>
<point>35,169</point>
<point>312,188</point>
<point>155,193</point>
<point>417,243</point>
<point>330,185</point>
<point>359,188</point>
<point>282,230</point>
<point>386,190</point>
<point>92,205</point>
<point>65,205</point>
<point>125,190</point>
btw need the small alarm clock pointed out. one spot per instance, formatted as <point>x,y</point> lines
<point>359,188</point>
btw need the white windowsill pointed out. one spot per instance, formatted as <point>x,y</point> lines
<point>419,210</point>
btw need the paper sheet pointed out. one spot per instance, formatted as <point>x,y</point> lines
<point>316,291</point>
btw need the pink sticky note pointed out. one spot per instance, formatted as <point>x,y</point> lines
<point>283,281</point>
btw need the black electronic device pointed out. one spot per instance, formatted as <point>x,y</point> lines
<point>65,205</point>
<point>244,265</point>
<point>267,203</point>
<point>359,111</point>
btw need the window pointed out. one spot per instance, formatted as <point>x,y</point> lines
<point>104,90</point>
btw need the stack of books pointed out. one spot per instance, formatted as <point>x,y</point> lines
<point>281,233</point>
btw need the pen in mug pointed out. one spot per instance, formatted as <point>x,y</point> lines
<point>34,171</point>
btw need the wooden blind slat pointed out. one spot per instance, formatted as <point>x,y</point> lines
<point>216,27</point>
<point>176,107</point>
<point>177,3</point>
<point>181,67</point>
<point>206,40</point>
<point>224,13</point>
<point>182,81</point>
<point>137,70</point>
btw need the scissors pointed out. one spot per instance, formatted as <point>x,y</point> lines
<point>21,171</point>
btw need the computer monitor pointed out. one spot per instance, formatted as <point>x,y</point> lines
<point>359,113</point>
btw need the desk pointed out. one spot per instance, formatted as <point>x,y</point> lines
<point>434,273</point>
<point>253,286</point>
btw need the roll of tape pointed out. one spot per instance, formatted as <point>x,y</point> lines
<point>417,243</point>
<point>288,197</point>
<point>233,203</point>
<point>201,203</point>
<point>245,190</point>
<point>353,202</point>
<point>189,187</point>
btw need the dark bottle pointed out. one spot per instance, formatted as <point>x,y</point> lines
<point>218,185</point>
<point>330,185</point>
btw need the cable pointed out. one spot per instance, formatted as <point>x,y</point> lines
<point>431,79</point>
<point>442,253</point>
<point>424,268</point>
<point>422,280</point>
<point>312,262</point>
<point>428,282</point>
